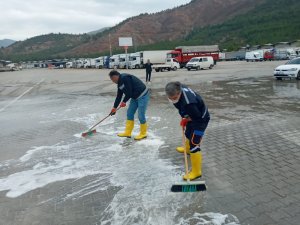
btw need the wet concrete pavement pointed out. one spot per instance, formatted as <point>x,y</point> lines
<point>49,175</point>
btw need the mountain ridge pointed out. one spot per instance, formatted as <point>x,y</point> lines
<point>6,42</point>
<point>94,32</point>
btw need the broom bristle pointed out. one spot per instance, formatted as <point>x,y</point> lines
<point>89,133</point>
<point>189,187</point>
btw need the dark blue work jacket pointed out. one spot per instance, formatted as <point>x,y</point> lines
<point>131,87</point>
<point>192,105</point>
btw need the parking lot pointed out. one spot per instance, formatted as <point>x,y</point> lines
<point>50,175</point>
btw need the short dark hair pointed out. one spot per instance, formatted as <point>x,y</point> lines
<point>173,88</point>
<point>114,73</point>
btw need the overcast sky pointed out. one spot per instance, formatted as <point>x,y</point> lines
<point>21,19</point>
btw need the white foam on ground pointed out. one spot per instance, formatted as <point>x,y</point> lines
<point>41,175</point>
<point>78,135</point>
<point>88,120</point>
<point>210,218</point>
<point>57,163</point>
<point>6,164</point>
<point>155,119</point>
<point>29,153</point>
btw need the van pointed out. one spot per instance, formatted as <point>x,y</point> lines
<point>255,56</point>
<point>200,63</point>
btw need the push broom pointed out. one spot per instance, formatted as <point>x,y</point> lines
<point>92,131</point>
<point>188,186</point>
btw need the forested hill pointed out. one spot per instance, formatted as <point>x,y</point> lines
<point>272,21</point>
<point>42,47</point>
<point>6,42</point>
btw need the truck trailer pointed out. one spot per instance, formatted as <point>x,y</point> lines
<point>234,56</point>
<point>89,63</point>
<point>184,54</point>
<point>138,59</point>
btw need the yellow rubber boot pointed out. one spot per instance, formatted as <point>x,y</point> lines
<point>143,132</point>
<point>128,129</point>
<point>196,171</point>
<point>181,149</point>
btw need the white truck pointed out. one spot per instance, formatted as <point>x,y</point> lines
<point>70,64</point>
<point>138,59</point>
<point>291,53</point>
<point>79,63</point>
<point>255,56</point>
<point>114,61</point>
<point>99,62</point>
<point>297,51</point>
<point>170,64</point>
<point>89,63</point>
<point>135,60</point>
<point>123,60</point>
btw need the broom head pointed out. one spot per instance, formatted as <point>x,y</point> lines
<point>189,186</point>
<point>88,133</point>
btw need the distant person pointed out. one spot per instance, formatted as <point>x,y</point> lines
<point>134,89</point>
<point>148,67</point>
<point>195,118</point>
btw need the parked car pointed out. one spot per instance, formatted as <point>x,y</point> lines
<point>289,70</point>
<point>200,63</point>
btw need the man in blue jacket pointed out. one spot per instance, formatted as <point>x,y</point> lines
<point>132,88</point>
<point>195,118</point>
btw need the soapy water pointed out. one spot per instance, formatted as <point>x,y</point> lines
<point>210,219</point>
<point>144,178</point>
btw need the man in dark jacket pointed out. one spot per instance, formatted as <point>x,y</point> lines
<point>195,118</point>
<point>134,89</point>
<point>148,67</point>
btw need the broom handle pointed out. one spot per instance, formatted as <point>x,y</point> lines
<point>102,120</point>
<point>185,155</point>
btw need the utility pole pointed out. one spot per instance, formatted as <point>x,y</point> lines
<point>110,52</point>
<point>135,44</point>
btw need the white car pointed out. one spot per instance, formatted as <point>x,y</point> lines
<point>289,70</point>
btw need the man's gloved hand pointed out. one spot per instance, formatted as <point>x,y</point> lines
<point>113,111</point>
<point>184,121</point>
<point>123,104</point>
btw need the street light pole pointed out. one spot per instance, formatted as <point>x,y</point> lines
<point>110,52</point>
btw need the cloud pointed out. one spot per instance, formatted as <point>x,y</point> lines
<point>23,19</point>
